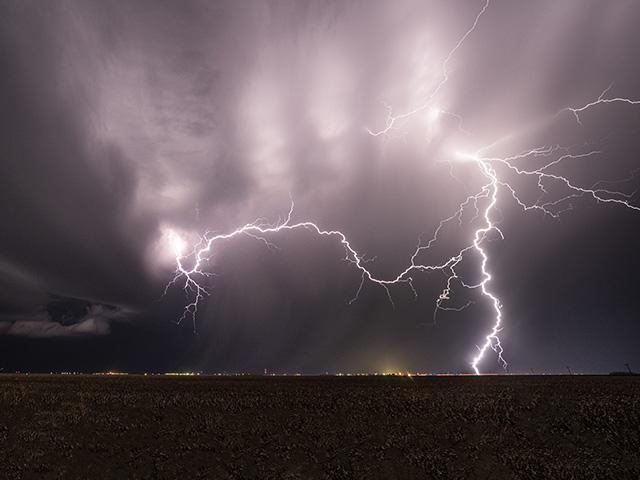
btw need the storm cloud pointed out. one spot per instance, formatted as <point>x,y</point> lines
<point>123,120</point>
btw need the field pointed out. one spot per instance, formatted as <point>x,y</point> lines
<point>520,427</point>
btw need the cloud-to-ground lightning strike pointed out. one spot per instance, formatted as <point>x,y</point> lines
<point>483,203</point>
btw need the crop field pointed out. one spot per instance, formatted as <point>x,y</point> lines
<point>520,427</point>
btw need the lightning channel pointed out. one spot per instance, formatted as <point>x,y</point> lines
<point>192,266</point>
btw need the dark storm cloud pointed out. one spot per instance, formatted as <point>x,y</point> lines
<point>66,200</point>
<point>44,328</point>
<point>62,317</point>
<point>122,120</point>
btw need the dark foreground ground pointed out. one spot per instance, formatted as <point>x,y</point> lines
<point>324,427</point>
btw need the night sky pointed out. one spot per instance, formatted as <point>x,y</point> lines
<point>123,121</point>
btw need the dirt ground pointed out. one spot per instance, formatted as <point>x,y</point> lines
<point>320,427</point>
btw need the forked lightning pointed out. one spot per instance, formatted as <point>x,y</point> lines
<point>191,270</point>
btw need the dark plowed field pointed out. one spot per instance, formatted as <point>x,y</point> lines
<point>319,427</point>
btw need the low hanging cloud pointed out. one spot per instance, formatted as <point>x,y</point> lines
<point>44,328</point>
<point>95,320</point>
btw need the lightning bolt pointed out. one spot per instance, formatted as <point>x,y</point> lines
<point>191,270</point>
<point>601,100</point>
<point>392,119</point>
<point>192,276</point>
